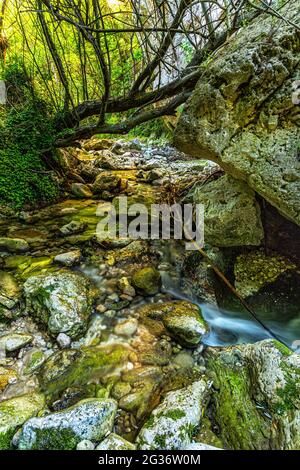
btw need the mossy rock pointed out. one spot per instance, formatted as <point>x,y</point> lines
<point>13,245</point>
<point>257,396</point>
<point>61,301</point>
<point>15,412</point>
<point>172,424</point>
<point>147,281</point>
<point>182,319</point>
<point>255,270</point>
<point>89,419</point>
<point>6,375</point>
<point>73,367</point>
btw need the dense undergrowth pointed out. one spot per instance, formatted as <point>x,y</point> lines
<point>26,133</point>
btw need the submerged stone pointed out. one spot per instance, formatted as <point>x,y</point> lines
<point>13,245</point>
<point>9,290</point>
<point>89,419</point>
<point>14,341</point>
<point>73,367</point>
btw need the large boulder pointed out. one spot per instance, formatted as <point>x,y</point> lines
<point>171,424</point>
<point>242,115</point>
<point>256,403</point>
<point>232,215</point>
<point>62,301</point>
<point>14,413</point>
<point>89,419</point>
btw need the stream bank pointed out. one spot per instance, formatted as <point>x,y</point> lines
<point>117,343</point>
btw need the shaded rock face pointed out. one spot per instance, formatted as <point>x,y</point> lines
<point>256,399</point>
<point>242,115</point>
<point>88,419</point>
<point>232,215</point>
<point>61,301</point>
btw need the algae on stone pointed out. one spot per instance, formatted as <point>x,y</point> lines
<point>254,270</point>
<point>73,367</point>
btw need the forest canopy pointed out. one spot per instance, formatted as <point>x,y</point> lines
<point>78,68</point>
<point>105,66</point>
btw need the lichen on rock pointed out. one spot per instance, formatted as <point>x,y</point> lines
<point>232,214</point>
<point>62,301</point>
<point>89,419</point>
<point>14,413</point>
<point>241,113</point>
<point>172,423</point>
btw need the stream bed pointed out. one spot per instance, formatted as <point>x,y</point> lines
<point>136,333</point>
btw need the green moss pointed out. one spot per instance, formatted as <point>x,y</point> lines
<point>285,351</point>
<point>77,367</point>
<point>160,440</point>
<point>241,424</point>
<point>175,414</point>
<point>14,412</point>
<point>65,439</point>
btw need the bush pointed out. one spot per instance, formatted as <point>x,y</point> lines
<point>26,134</point>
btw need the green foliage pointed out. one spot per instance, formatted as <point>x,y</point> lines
<point>25,134</point>
<point>155,129</point>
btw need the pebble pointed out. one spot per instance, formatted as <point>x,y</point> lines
<point>126,328</point>
<point>101,308</point>
<point>113,297</point>
<point>85,445</point>
<point>63,341</point>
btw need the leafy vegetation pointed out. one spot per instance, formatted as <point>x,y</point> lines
<point>25,135</point>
